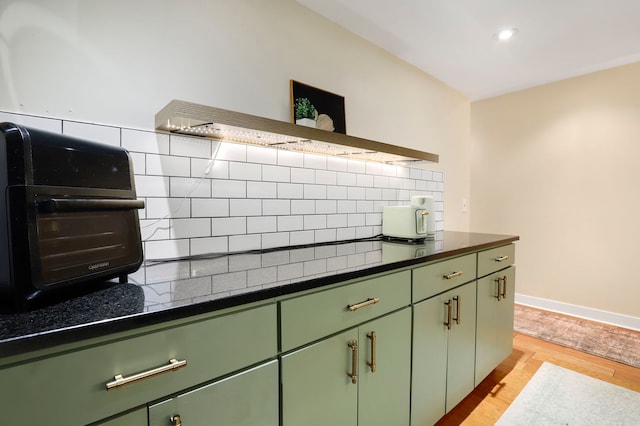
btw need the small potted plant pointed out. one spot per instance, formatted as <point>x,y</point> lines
<point>305,112</point>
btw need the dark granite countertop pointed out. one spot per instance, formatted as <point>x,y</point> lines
<point>178,289</point>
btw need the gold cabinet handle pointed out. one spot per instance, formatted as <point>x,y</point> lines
<point>452,275</point>
<point>457,299</point>
<point>504,287</point>
<point>119,381</point>
<point>372,336</point>
<point>368,302</point>
<point>499,294</point>
<point>448,305</point>
<point>353,345</point>
<point>176,420</point>
<point>502,258</point>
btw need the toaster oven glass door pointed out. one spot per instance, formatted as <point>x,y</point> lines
<point>76,244</point>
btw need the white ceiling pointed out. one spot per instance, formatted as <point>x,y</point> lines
<point>453,40</point>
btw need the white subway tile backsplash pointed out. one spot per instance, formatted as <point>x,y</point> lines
<point>290,271</point>
<point>276,239</point>
<point>261,224</point>
<point>228,226</point>
<point>315,192</point>
<point>347,206</point>
<point>290,223</point>
<point>346,179</point>
<point>356,220</point>
<point>190,228</point>
<point>290,190</point>
<point>276,207</point>
<point>232,152</point>
<point>93,132</point>
<point>262,189</point>
<point>276,173</point>
<point>253,197</point>
<point>325,235</point>
<point>290,158</point>
<point>354,193</point>
<point>210,207</point>
<point>315,161</point>
<point>167,165</point>
<point>303,206</point>
<point>336,221</point>
<point>258,154</point>
<point>337,192</point>
<point>245,242</point>
<point>189,147</point>
<point>261,276</point>
<point>147,142</point>
<point>166,249</point>
<point>245,171</point>
<point>345,234</point>
<point>156,208</point>
<point>326,206</point>
<point>46,124</point>
<point>221,188</point>
<point>209,245</point>
<point>299,175</point>
<point>152,186</point>
<point>337,164</point>
<point>190,187</point>
<point>245,207</point>
<point>357,166</point>
<point>301,237</point>
<point>325,177</point>
<point>315,222</point>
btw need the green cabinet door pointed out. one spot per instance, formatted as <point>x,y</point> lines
<point>443,356</point>
<point>246,399</point>
<point>384,394</point>
<point>495,321</point>
<point>316,387</point>
<point>461,345</point>
<point>429,361</point>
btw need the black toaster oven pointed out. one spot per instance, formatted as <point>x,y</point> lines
<point>68,215</point>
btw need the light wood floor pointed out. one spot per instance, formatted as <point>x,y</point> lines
<point>491,398</point>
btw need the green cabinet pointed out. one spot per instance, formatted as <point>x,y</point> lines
<point>444,328</point>
<point>248,398</point>
<point>495,321</point>
<point>360,376</point>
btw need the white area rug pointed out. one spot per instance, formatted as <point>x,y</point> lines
<point>557,396</point>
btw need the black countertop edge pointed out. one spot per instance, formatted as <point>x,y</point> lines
<point>34,342</point>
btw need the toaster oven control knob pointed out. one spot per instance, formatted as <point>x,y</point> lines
<point>176,420</point>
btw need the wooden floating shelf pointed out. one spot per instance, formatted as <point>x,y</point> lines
<point>192,119</point>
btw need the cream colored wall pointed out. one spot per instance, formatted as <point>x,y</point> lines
<point>119,62</point>
<point>559,166</point>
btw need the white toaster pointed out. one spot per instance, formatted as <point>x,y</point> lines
<point>413,222</point>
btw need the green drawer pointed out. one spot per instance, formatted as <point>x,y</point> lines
<point>438,277</point>
<point>313,316</point>
<point>71,388</point>
<point>490,261</point>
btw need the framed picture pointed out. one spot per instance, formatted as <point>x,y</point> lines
<point>317,108</point>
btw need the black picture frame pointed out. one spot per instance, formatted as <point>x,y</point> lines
<point>326,103</point>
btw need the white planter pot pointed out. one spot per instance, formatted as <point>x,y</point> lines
<point>306,122</point>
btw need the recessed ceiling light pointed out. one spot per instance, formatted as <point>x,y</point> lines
<point>506,33</point>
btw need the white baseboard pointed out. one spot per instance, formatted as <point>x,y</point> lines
<point>612,318</point>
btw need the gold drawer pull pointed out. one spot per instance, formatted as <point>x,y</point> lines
<point>499,294</point>
<point>176,420</point>
<point>504,287</point>
<point>373,337</point>
<point>119,381</point>
<point>452,275</point>
<point>502,258</point>
<point>368,302</point>
<point>353,345</point>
